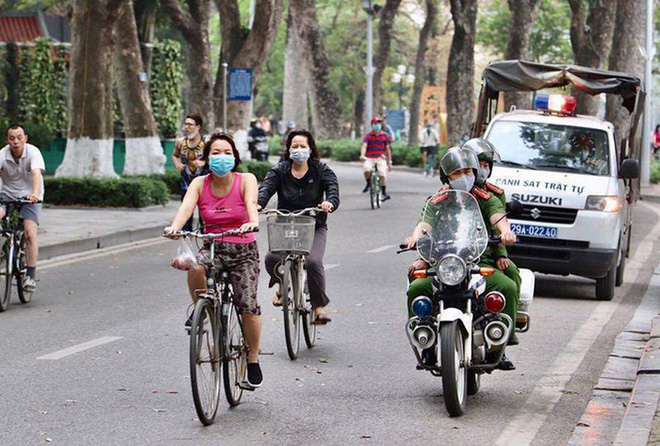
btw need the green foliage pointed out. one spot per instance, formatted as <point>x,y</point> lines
<point>10,74</point>
<point>549,41</point>
<point>655,172</point>
<point>165,87</point>
<point>39,94</point>
<point>171,179</point>
<point>124,192</point>
<point>23,83</point>
<point>61,92</point>
<point>341,149</point>
<point>258,168</point>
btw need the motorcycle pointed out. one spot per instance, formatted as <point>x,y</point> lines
<point>459,325</point>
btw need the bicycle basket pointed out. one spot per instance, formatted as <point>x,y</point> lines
<point>291,234</point>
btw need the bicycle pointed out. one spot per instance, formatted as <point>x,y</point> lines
<point>216,338</point>
<point>13,262</point>
<point>374,191</point>
<point>291,234</point>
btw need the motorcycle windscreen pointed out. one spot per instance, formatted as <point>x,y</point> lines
<point>456,227</point>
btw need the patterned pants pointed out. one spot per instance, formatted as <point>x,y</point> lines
<point>242,262</point>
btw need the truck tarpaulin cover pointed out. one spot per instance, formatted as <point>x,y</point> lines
<point>519,75</point>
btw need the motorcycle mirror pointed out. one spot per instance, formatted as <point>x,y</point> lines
<point>514,208</point>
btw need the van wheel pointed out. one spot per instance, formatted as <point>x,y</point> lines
<point>605,286</point>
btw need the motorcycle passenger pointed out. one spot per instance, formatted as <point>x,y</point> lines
<point>227,199</point>
<point>458,170</point>
<point>497,256</point>
<point>302,181</point>
<point>376,148</point>
<point>256,138</point>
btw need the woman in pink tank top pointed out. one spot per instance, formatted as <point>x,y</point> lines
<point>227,200</point>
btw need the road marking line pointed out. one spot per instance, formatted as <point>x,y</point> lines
<point>79,348</point>
<point>549,390</point>
<point>330,266</point>
<point>380,249</point>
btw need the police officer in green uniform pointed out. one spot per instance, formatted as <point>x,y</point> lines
<point>497,256</point>
<point>459,168</point>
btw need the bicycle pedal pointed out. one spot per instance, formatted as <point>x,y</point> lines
<point>246,386</point>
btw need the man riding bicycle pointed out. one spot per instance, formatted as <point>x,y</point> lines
<point>21,168</point>
<point>376,149</point>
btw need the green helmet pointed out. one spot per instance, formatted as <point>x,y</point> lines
<point>457,158</point>
<point>484,149</point>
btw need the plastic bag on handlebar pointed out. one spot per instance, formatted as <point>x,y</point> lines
<point>185,258</point>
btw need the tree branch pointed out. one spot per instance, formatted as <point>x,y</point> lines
<point>180,19</point>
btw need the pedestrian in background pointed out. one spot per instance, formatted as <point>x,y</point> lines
<point>188,156</point>
<point>429,146</point>
<point>656,142</point>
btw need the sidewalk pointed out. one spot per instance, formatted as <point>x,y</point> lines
<point>70,230</point>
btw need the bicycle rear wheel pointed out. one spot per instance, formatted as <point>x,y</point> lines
<point>290,313</point>
<point>234,357</point>
<point>205,361</point>
<point>308,316</point>
<point>20,271</point>
<point>5,277</point>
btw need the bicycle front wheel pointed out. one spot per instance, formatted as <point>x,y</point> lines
<point>374,191</point>
<point>5,276</point>
<point>234,357</point>
<point>20,271</point>
<point>205,361</point>
<point>290,311</point>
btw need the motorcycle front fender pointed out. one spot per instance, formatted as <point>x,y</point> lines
<point>454,314</point>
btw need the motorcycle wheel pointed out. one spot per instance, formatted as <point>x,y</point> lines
<point>473,383</point>
<point>454,373</point>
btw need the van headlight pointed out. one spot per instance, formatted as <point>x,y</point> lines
<point>603,203</point>
<point>451,270</point>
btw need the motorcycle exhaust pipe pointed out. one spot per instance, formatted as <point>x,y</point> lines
<point>496,333</point>
<point>423,336</point>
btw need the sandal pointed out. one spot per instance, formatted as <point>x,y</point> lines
<point>277,300</point>
<point>322,319</point>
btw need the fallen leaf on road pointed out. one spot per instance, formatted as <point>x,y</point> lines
<point>359,305</point>
<point>583,424</point>
<point>48,439</point>
<point>455,427</point>
<point>517,391</point>
<point>319,372</point>
<point>154,391</point>
<point>160,410</point>
<point>123,389</point>
<point>373,323</point>
<point>365,436</point>
<point>173,392</point>
<point>323,360</point>
<point>300,379</point>
<point>44,412</point>
<point>336,311</point>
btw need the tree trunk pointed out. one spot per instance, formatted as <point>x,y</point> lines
<point>382,55</point>
<point>523,17</point>
<point>144,154</point>
<point>326,109</point>
<point>629,36</point>
<point>145,19</point>
<point>241,49</point>
<point>294,98</point>
<point>460,76</point>
<point>90,141</point>
<point>422,47</point>
<point>591,39</point>
<point>193,24</point>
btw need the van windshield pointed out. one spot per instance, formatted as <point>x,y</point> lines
<point>543,146</point>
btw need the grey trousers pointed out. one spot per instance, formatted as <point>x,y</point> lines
<point>314,266</point>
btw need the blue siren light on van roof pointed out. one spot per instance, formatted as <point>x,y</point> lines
<point>555,103</point>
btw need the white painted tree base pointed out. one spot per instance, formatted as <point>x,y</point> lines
<point>240,139</point>
<point>86,157</point>
<point>144,156</point>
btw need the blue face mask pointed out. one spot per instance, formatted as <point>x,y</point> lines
<point>221,165</point>
<point>377,127</point>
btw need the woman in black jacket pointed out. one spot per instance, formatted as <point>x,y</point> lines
<point>301,180</point>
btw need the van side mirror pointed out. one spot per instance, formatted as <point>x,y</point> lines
<point>629,169</point>
<point>514,208</point>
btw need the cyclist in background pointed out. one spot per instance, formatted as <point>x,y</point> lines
<point>21,171</point>
<point>227,200</point>
<point>376,148</point>
<point>303,181</point>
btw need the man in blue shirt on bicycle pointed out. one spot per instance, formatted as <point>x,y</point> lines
<point>21,169</point>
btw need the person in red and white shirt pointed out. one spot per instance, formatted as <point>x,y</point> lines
<point>376,148</point>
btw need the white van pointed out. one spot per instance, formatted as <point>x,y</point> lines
<point>566,171</point>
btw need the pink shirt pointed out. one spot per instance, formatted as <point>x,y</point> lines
<point>225,213</point>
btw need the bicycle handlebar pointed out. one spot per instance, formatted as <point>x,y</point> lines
<point>285,213</point>
<point>210,236</point>
<point>20,200</point>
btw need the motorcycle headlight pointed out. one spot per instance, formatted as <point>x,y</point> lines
<point>451,270</point>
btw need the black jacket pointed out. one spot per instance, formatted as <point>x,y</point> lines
<point>294,194</point>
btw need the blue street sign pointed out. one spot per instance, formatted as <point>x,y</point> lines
<point>240,84</point>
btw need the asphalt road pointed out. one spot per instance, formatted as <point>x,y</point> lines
<point>357,386</point>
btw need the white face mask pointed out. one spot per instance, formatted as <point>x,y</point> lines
<point>482,175</point>
<point>464,183</point>
<point>299,156</point>
<point>191,135</point>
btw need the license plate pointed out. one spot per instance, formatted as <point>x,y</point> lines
<point>534,231</point>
